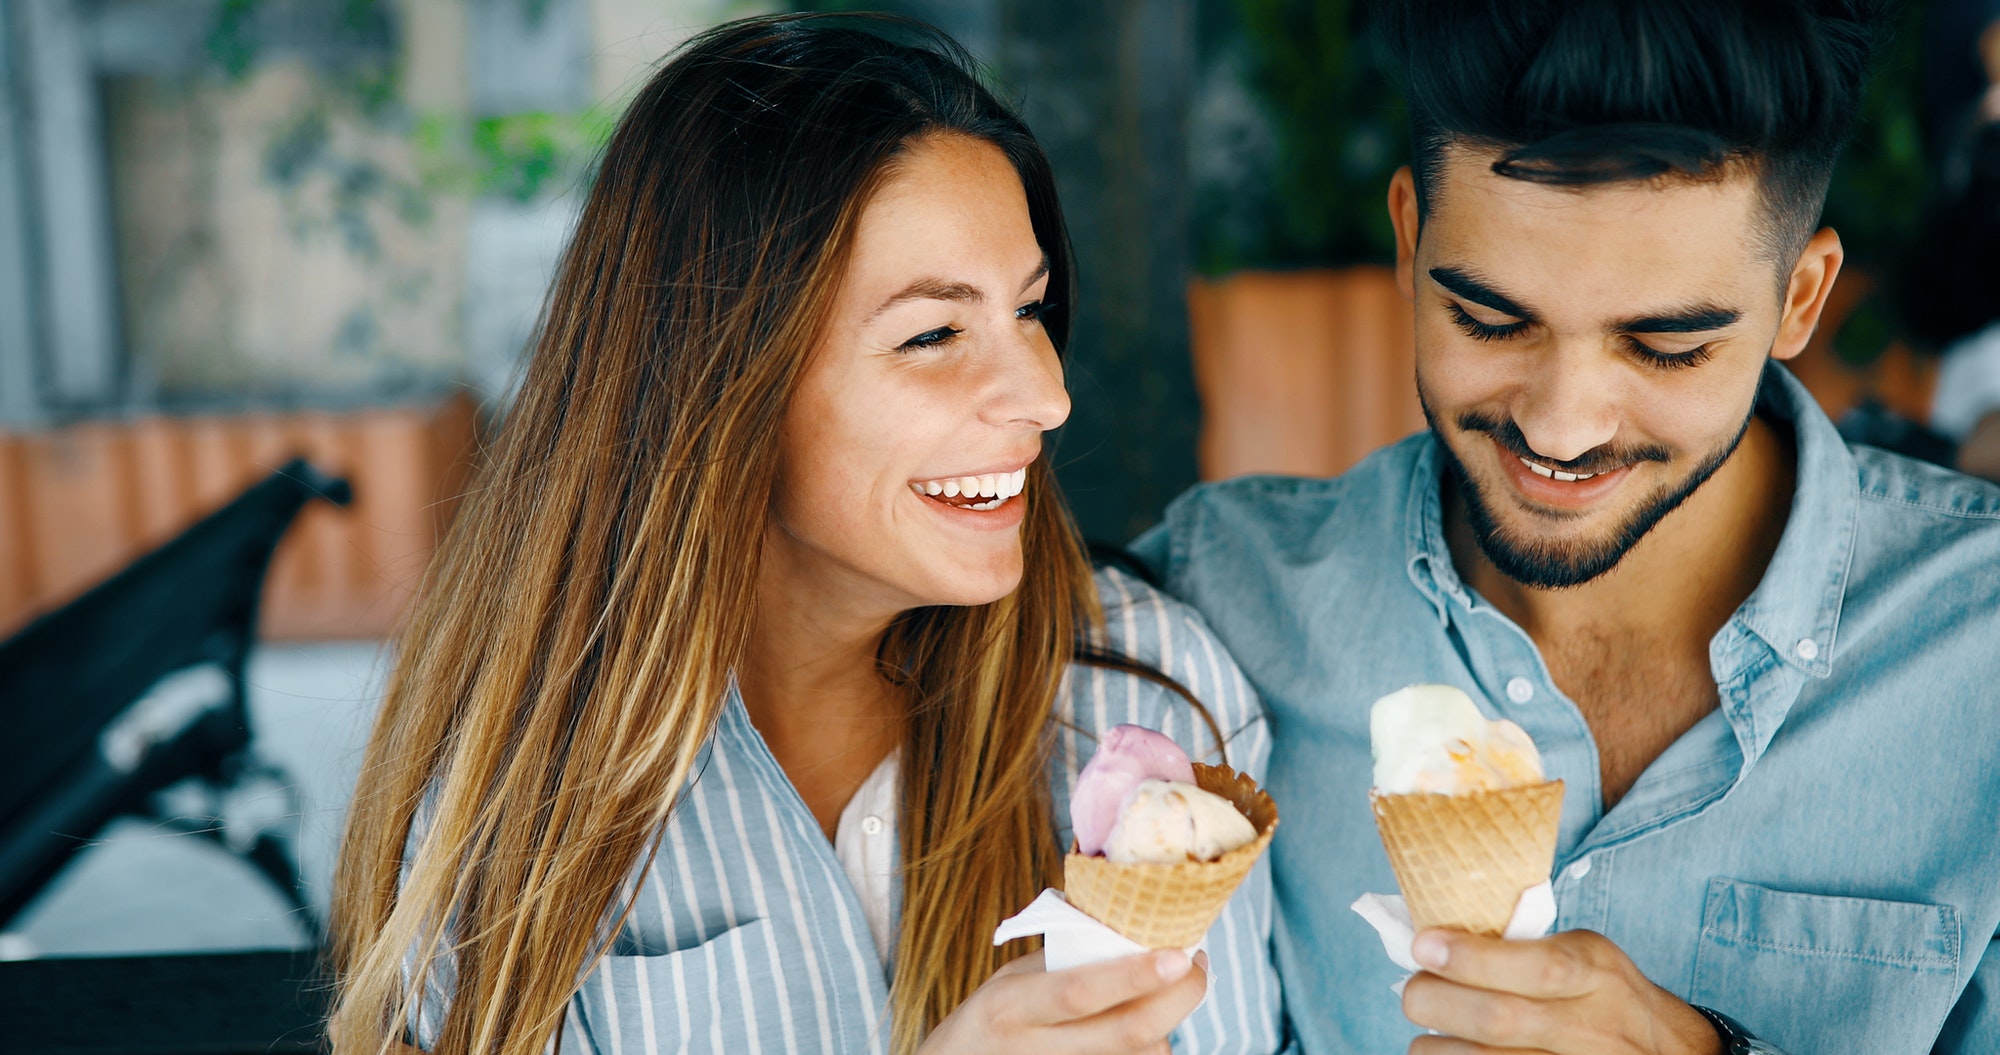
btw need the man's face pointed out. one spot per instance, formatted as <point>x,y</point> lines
<point>1587,356</point>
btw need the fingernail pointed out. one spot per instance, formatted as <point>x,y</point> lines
<point>1171,963</point>
<point>1201,959</point>
<point>1430,950</point>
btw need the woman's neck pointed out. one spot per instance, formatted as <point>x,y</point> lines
<point>812,689</point>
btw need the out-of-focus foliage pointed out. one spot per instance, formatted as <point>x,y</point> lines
<point>515,156</point>
<point>1884,180</point>
<point>1324,129</point>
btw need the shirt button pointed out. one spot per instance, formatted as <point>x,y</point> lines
<point>1808,649</point>
<point>871,825</point>
<point>1520,690</point>
<point>1580,868</point>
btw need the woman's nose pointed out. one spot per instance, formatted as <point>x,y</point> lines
<point>1027,389</point>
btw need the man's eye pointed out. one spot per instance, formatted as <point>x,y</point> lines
<point>1481,330</point>
<point>930,338</point>
<point>1669,360</point>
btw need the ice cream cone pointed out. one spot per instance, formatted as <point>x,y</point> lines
<point>1170,906</point>
<point>1464,860</point>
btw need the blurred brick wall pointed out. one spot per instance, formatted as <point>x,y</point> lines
<point>78,503</point>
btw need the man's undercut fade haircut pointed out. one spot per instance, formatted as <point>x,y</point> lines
<point>1580,92</point>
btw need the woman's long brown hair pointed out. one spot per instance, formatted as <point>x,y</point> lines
<point>571,648</point>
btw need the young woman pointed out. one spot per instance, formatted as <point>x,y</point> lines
<point>744,699</point>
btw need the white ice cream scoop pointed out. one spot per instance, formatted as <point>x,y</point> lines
<point>1432,738</point>
<point>1169,822</point>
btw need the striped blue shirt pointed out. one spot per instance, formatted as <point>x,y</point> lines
<point>747,936</point>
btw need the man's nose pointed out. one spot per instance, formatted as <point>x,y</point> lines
<point>1568,408</point>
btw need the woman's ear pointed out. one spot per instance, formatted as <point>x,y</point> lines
<point>1403,216</point>
<point>1806,292</point>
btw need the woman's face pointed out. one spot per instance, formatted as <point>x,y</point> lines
<point>907,443</point>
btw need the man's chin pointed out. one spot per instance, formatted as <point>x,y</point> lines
<point>1552,564</point>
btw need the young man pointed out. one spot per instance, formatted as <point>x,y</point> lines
<point>1766,665</point>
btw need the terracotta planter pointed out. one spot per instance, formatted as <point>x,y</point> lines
<point>1302,373</point>
<point>78,503</point>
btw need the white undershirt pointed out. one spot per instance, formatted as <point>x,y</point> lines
<point>865,842</point>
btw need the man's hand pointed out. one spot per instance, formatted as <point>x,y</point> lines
<point>1573,993</point>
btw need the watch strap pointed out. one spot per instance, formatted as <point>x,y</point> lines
<point>1736,1040</point>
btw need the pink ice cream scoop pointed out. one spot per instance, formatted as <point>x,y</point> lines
<point>1127,755</point>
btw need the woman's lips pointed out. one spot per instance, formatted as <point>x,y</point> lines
<point>1007,514</point>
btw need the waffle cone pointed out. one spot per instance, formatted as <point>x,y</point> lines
<point>1171,906</point>
<point>1464,860</point>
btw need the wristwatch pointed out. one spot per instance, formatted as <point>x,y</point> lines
<point>1735,1039</point>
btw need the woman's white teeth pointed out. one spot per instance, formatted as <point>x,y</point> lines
<point>997,486</point>
<point>1554,474</point>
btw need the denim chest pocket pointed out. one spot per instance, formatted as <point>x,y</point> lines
<point>700,998</point>
<point>1827,975</point>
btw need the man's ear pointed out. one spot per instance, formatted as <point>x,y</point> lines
<point>1806,293</point>
<point>1403,216</point>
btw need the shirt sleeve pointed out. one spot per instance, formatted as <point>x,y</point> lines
<point>1244,1012</point>
<point>1152,548</point>
<point>1974,1024</point>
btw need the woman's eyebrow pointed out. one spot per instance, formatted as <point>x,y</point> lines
<point>929,288</point>
<point>933,288</point>
<point>1041,269</point>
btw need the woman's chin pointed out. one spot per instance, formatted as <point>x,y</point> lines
<point>968,587</point>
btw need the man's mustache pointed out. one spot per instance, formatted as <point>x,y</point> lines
<point>1591,462</point>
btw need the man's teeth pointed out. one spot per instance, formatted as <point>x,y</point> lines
<point>998,487</point>
<point>1554,474</point>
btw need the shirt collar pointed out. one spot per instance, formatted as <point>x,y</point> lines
<point>1795,609</point>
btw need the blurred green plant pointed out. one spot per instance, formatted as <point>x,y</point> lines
<point>1884,181</point>
<point>1336,131</point>
<point>517,156</point>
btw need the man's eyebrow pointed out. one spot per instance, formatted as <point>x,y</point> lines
<point>1697,319</point>
<point>1478,291</point>
<point>929,289</point>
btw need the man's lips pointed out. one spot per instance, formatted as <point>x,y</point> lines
<point>1552,493</point>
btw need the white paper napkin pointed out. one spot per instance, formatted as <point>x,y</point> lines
<point>1072,939</point>
<point>1533,915</point>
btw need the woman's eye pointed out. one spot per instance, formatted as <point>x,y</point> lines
<point>930,338</point>
<point>1036,310</point>
<point>1484,331</point>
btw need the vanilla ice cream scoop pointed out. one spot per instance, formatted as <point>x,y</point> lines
<point>1168,822</point>
<point>1432,738</point>
<point>1127,756</point>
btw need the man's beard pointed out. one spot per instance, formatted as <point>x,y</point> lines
<point>1553,565</point>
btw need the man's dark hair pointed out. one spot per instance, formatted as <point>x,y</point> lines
<point>1578,92</point>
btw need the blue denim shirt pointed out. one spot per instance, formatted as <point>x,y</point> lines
<point>1818,858</point>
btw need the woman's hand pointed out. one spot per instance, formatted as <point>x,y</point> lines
<point>1126,1006</point>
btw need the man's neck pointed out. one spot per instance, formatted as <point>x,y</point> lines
<point>1684,579</point>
